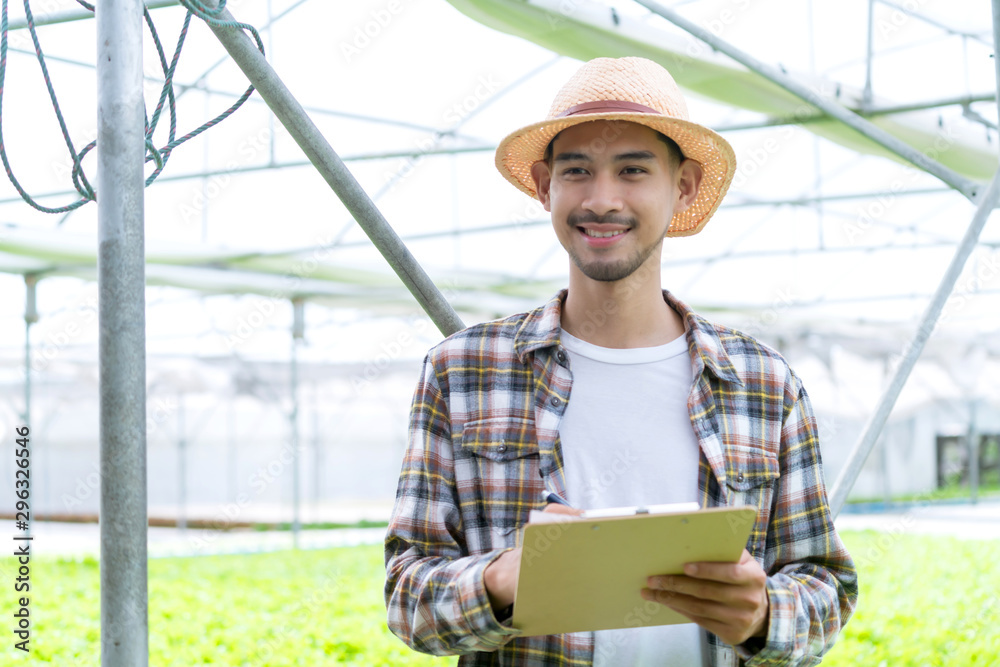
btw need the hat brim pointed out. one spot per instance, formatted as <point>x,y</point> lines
<point>521,149</point>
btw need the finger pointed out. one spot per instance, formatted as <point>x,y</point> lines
<point>696,588</point>
<point>745,571</point>
<point>721,629</point>
<point>556,508</point>
<point>688,606</point>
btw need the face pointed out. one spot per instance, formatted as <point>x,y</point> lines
<point>612,190</point>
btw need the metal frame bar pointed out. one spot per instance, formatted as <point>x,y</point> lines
<point>866,98</point>
<point>391,155</point>
<point>336,174</point>
<point>298,333</point>
<point>78,15</point>
<point>859,454</point>
<point>971,189</point>
<point>122,344</point>
<point>986,202</point>
<point>937,24</point>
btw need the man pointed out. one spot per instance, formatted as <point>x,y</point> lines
<point>614,393</point>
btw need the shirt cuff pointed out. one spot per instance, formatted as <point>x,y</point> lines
<point>489,632</point>
<point>778,648</point>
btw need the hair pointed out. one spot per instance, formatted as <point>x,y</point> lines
<point>673,150</point>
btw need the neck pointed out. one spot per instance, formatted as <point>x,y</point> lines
<point>622,314</point>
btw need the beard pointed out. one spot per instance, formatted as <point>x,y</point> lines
<point>611,271</point>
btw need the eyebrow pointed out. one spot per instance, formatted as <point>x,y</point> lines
<point>631,156</point>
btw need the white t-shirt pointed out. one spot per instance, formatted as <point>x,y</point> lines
<point>627,440</point>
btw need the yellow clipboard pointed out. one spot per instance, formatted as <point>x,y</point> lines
<point>586,574</point>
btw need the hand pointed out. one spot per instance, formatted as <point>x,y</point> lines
<point>727,599</point>
<point>555,508</point>
<point>500,576</point>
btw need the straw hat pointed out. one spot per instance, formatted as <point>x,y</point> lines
<point>627,89</point>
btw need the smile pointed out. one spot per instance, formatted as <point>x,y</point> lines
<point>603,235</point>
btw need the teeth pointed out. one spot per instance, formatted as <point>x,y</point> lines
<point>602,235</point>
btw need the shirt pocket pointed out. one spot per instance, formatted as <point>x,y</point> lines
<point>506,484</point>
<point>751,478</point>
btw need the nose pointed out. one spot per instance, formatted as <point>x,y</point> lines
<point>604,195</point>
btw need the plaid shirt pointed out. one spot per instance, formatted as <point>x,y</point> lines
<point>484,428</point>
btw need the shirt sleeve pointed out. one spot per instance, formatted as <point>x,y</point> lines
<point>812,584</point>
<point>435,594</point>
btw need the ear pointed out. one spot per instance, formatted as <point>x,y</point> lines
<point>689,174</point>
<point>543,180</point>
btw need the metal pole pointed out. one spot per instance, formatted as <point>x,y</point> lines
<point>866,96</point>
<point>883,446</point>
<point>270,50</point>
<point>30,317</point>
<point>317,454</point>
<point>232,463</point>
<point>862,448</point>
<point>996,49</point>
<point>77,15</point>
<point>298,330</point>
<point>856,460</point>
<point>967,187</point>
<point>122,344</point>
<point>181,467</point>
<point>337,175</point>
<point>972,447</point>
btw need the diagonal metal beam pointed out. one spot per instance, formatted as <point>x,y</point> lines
<point>859,454</point>
<point>776,121</point>
<point>312,142</point>
<point>937,24</point>
<point>856,461</point>
<point>971,189</point>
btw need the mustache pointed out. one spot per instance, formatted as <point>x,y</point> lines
<point>610,219</point>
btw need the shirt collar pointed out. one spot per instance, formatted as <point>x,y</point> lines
<point>540,329</point>
<point>704,343</point>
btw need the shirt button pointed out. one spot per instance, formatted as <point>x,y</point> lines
<point>739,478</point>
<point>502,448</point>
<point>555,401</point>
<point>561,357</point>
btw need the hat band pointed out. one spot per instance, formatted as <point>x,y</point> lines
<point>608,106</point>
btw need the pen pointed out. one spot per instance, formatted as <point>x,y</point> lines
<point>555,498</point>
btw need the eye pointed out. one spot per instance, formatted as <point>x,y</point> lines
<point>574,171</point>
<point>633,170</point>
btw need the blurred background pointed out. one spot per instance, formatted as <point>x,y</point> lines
<point>826,248</point>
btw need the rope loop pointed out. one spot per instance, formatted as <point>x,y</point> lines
<point>167,97</point>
